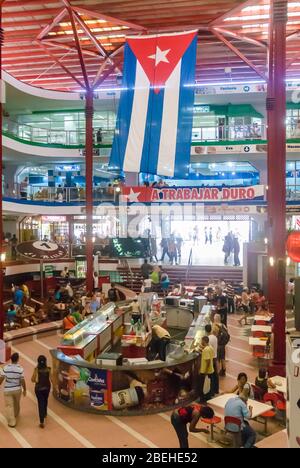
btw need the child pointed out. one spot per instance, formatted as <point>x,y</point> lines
<point>263,383</point>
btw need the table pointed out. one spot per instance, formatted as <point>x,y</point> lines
<point>261,328</point>
<point>220,402</point>
<point>281,384</point>
<point>263,318</point>
<point>257,342</point>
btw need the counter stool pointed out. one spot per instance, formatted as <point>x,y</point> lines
<point>236,434</point>
<point>211,422</point>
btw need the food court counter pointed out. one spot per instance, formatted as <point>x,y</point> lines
<point>146,388</point>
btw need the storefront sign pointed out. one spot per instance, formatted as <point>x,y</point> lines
<point>42,250</point>
<point>53,219</point>
<point>231,149</point>
<point>192,195</point>
<point>232,89</point>
<point>224,210</point>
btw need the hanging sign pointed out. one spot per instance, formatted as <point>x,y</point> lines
<point>42,250</point>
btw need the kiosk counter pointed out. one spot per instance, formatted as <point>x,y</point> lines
<point>90,375</point>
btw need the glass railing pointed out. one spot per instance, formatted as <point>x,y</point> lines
<point>60,194</point>
<point>100,194</point>
<point>77,137</point>
<point>54,137</point>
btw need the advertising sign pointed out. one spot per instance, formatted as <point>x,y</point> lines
<point>82,387</point>
<point>192,195</point>
<point>42,250</point>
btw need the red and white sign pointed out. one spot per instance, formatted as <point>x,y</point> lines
<point>191,194</point>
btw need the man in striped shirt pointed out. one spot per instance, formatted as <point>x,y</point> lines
<point>230,292</point>
<point>13,376</point>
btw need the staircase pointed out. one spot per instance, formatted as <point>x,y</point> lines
<point>197,275</point>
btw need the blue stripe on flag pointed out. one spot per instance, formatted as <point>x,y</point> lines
<point>125,110</point>
<point>185,112</point>
<point>152,132</point>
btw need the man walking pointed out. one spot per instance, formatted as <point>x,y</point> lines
<point>13,375</point>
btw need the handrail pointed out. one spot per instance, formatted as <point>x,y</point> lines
<point>190,263</point>
<point>77,137</point>
<point>100,193</point>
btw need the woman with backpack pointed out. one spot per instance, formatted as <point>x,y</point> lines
<point>42,379</point>
<point>223,339</point>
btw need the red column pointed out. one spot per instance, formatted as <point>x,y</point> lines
<point>1,222</point>
<point>89,189</point>
<point>276,105</point>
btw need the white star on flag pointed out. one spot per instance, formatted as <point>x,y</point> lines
<point>133,197</point>
<point>160,56</point>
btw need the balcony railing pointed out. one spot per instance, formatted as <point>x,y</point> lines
<point>77,137</point>
<point>60,194</point>
<point>100,194</point>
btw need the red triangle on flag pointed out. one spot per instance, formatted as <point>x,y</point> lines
<point>159,55</point>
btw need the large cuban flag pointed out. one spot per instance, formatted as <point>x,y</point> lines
<point>155,118</point>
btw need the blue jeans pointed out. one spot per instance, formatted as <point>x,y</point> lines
<point>248,436</point>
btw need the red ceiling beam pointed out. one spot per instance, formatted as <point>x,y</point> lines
<point>50,26</point>
<point>107,73</point>
<point>78,45</point>
<point>23,14</point>
<point>101,69</point>
<point>41,45</point>
<point>239,54</point>
<point>90,34</point>
<point>89,52</point>
<point>110,19</point>
<point>249,40</point>
<point>233,12</point>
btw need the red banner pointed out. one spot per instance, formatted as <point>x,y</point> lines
<point>191,194</point>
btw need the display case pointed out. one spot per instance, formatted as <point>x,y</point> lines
<point>92,335</point>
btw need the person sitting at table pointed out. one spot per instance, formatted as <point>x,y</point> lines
<point>191,414</point>
<point>243,386</point>
<point>69,322</point>
<point>236,407</point>
<point>263,383</point>
<point>75,311</point>
<point>11,314</point>
<point>57,294</point>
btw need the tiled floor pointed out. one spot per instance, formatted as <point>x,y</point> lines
<point>68,428</point>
